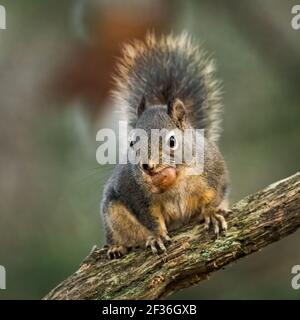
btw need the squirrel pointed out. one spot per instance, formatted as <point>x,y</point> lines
<point>165,82</point>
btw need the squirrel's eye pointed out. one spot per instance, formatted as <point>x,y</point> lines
<point>172,142</point>
<point>134,140</point>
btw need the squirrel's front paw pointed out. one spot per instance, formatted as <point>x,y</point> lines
<point>156,244</point>
<point>116,251</point>
<point>216,220</point>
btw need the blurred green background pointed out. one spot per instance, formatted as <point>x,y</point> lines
<point>56,59</point>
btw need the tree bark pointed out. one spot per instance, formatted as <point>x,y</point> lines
<point>256,221</point>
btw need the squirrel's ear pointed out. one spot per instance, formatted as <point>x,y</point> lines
<point>176,111</point>
<point>142,106</point>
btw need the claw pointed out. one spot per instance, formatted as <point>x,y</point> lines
<point>155,244</point>
<point>150,244</point>
<point>224,213</point>
<point>206,222</point>
<point>215,224</point>
<point>167,238</point>
<point>217,221</point>
<point>116,251</point>
<point>222,222</point>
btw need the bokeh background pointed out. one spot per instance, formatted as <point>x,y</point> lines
<point>56,60</point>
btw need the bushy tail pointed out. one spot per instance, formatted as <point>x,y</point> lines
<point>169,67</point>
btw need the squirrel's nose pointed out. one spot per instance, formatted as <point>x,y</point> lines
<point>148,166</point>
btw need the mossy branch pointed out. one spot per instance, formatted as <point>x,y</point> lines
<point>256,221</point>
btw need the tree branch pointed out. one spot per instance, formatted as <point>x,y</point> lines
<point>256,221</point>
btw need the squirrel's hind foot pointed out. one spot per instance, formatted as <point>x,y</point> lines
<point>216,220</point>
<point>156,244</point>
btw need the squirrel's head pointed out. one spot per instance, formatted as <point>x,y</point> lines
<point>157,139</point>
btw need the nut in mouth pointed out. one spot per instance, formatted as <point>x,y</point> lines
<point>159,178</point>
